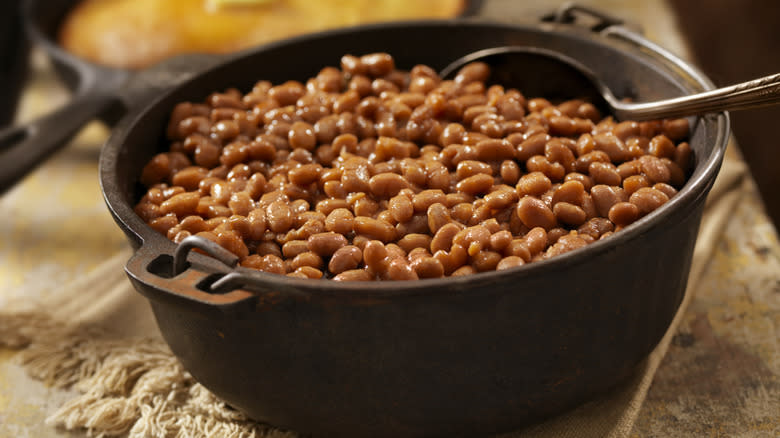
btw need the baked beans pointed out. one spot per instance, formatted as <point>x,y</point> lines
<point>371,173</point>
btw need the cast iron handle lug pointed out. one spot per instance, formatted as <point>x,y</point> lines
<point>657,52</point>
<point>236,278</point>
<point>172,277</point>
<point>212,249</point>
<point>569,12</point>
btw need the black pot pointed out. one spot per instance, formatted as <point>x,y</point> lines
<point>470,355</point>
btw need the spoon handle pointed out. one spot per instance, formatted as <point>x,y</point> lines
<point>756,93</point>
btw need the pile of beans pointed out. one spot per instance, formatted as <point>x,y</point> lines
<point>370,173</point>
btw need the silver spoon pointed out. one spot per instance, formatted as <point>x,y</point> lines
<point>559,76</point>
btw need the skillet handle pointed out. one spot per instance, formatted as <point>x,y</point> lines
<point>23,148</point>
<point>163,277</point>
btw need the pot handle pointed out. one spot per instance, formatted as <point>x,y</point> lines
<point>614,27</point>
<point>23,148</point>
<point>164,277</point>
<point>598,21</point>
<point>658,52</point>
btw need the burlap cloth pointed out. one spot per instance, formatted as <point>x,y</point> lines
<point>129,383</point>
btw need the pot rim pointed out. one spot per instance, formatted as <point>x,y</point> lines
<point>696,187</point>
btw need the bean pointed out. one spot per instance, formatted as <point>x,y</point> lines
<point>353,275</point>
<point>533,184</point>
<point>469,168</point>
<point>634,183</point>
<point>629,168</point>
<point>500,240</point>
<point>676,129</point>
<point>604,173</point>
<point>307,258</point>
<point>272,263</point>
<point>427,267</point>
<point>325,244</point>
<point>473,239</point>
<point>509,263</point>
<point>452,259</point>
<point>539,163</point>
<point>438,216</point>
<point>666,189</point>
<point>495,149</point>
<point>584,161</point>
<point>662,147</point>
<point>596,227</point>
<point>189,177</point>
<point>231,241</point>
<point>510,172</point>
<point>473,72</point>
<point>287,93</point>
<point>533,145</point>
<point>648,199</point>
<point>586,181</point>
<point>375,256</point>
<point>557,152</point>
<point>387,185</point>
<point>413,241</point>
<point>373,228</point>
<point>486,261</point>
<point>423,200</point>
<point>535,213</point>
<point>294,247</point>
<point>364,206</point>
<point>340,220</point>
<point>307,272</point>
<point>569,214</point>
<point>476,184</point>
<point>565,243</point>
<point>624,130</point>
<point>377,64</point>
<point>654,169</point>
<point>181,205</point>
<point>346,258</point>
<point>164,223</point>
<point>500,199</point>
<point>623,213</point>
<point>572,192</point>
<point>682,156</point>
<point>463,270</point>
<point>278,216</point>
<point>241,203</point>
<point>305,175</point>
<point>604,197</point>
<point>399,269</point>
<point>676,174</point>
<point>442,239</point>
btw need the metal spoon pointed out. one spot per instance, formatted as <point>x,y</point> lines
<point>554,75</point>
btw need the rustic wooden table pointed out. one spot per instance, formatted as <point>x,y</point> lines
<point>719,378</point>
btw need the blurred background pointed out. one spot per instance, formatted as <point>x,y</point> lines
<point>733,41</point>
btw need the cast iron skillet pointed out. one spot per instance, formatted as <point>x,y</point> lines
<point>13,53</point>
<point>462,356</point>
<point>99,92</point>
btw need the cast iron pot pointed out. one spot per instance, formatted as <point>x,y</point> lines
<point>463,356</point>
